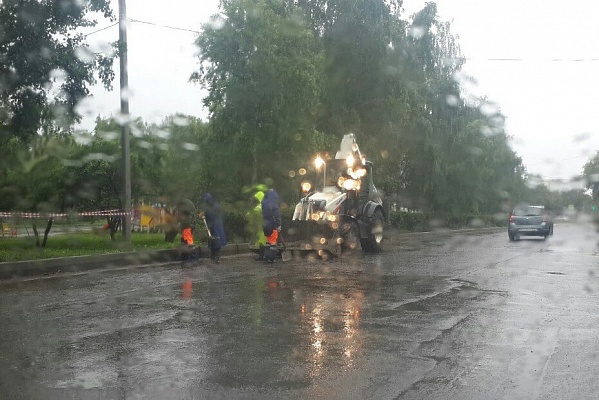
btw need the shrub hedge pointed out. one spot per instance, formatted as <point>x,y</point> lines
<point>236,222</point>
<point>418,222</point>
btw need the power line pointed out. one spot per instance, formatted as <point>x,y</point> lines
<point>493,59</point>
<point>146,23</point>
<point>102,29</point>
<point>533,60</point>
<point>164,26</point>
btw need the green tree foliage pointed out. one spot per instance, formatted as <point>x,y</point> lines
<point>391,81</point>
<point>82,171</point>
<point>285,79</point>
<point>45,64</point>
<point>262,67</point>
<point>590,173</point>
<point>181,159</point>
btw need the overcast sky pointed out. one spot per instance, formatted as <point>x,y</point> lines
<point>547,83</point>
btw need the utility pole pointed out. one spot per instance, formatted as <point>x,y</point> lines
<point>126,155</point>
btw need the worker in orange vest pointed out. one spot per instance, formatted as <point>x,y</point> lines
<point>186,215</point>
<point>271,216</point>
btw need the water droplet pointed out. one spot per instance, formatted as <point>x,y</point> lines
<point>416,32</point>
<point>452,100</point>
<point>489,109</point>
<point>85,55</point>
<point>190,146</point>
<point>181,121</point>
<point>216,22</point>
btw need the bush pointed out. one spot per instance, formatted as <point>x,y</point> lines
<point>76,244</point>
<point>409,221</point>
<point>415,222</point>
<point>236,223</point>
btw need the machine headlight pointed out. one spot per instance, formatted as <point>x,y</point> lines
<point>357,173</point>
<point>318,216</point>
<point>350,160</point>
<point>318,162</point>
<point>306,187</point>
<point>351,184</point>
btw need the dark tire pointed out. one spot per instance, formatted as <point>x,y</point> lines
<point>350,236</point>
<point>551,230</point>
<point>511,236</point>
<point>374,242</point>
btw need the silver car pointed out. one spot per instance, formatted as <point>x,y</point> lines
<point>529,221</point>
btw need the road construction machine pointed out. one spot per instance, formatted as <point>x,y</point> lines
<point>340,207</point>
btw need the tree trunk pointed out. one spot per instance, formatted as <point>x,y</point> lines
<point>114,223</point>
<point>37,236</point>
<point>48,227</point>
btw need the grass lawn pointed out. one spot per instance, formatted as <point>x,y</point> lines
<point>77,244</point>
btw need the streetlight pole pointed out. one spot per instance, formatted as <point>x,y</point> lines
<point>126,155</point>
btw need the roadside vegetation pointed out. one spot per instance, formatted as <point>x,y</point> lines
<point>76,244</point>
<point>89,239</point>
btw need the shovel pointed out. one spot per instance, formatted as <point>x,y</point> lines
<point>211,238</point>
<point>285,254</point>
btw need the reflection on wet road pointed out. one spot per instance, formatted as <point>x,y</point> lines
<point>434,316</point>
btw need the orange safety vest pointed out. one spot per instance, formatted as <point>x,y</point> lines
<point>187,236</point>
<point>272,239</point>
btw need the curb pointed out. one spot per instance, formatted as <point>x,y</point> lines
<point>21,269</point>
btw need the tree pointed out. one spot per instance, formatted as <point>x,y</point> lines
<point>40,47</point>
<point>182,169</point>
<point>262,69</point>
<point>386,79</point>
<point>590,173</point>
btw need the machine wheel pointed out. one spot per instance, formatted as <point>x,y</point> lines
<point>374,242</point>
<point>351,236</point>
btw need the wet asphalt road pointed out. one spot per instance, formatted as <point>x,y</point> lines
<point>443,316</point>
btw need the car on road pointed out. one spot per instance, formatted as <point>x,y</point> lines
<point>526,220</point>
